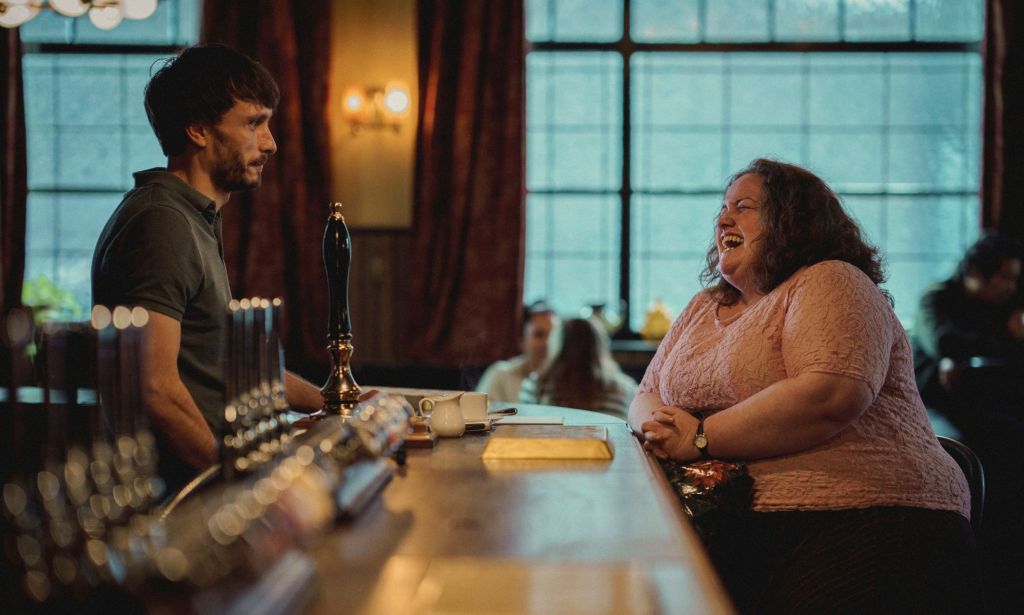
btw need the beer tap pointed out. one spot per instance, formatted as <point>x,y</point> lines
<point>340,392</point>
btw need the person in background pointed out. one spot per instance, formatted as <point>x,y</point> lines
<point>581,373</point>
<point>969,358</point>
<point>162,248</point>
<point>501,381</point>
<point>976,315</point>
<point>793,360</point>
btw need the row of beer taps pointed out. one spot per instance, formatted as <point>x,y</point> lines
<point>256,422</point>
<point>80,481</point>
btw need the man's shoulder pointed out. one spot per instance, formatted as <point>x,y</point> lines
<point>151,208</point>
<point>514,365</point>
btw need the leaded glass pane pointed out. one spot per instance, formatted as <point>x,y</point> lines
<point>738,21</point>
<point>574,121</point>
<point>665,21</point>
<point>849,160</point>
<point>949,20</point>
<point>847,89</point>
<point>670,238</point>
<point>574,261</point>
<point>876,20</point>
<point>869,212</point>
<point>767,89</point>
<point>678,107</point>
<point>925,226</point>
<point>573,20</point>
<point>807,20</point>
<point>41,220</point>
<point>896,134</point>
<point>934,89</point>
<point>87,132</point>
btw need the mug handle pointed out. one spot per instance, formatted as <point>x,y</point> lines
<point>424,402</point>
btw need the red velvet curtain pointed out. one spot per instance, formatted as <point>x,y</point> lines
<point>1003,136</point>
<point>13,181</point>
<point>273,235</point>
<point>466,281</point>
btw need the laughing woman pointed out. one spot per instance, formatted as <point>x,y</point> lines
<point>793,359</point>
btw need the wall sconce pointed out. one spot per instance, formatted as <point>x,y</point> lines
<point>376,107</point>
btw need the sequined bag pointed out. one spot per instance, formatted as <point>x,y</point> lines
<point>710,491</point>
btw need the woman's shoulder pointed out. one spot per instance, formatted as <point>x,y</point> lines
<point>834,275</point>
<point>828,281</point>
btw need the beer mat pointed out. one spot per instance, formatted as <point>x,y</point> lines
<point>529,420</point>
<point>545,442</point>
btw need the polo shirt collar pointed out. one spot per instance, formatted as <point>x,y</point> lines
<point>203,204</point>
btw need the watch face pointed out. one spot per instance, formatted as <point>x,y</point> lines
<point>700,442</point>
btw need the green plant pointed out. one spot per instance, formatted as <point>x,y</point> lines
<point>50,301</point>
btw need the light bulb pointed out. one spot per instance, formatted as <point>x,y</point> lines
<point>70,8</point>
<point>138,9</point>
<point>396,99</point>
<point>107,17</point>
<point>353,100</point>
<point>16,14</point>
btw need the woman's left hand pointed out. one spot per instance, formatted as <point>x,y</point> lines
<point>670,433</point>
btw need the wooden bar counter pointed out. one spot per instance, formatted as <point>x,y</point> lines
<point>453,533</point>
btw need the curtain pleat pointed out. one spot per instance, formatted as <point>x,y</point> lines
<point>14,179</point>
<point>273,235</point>
<point>1002,187</point>
<point>468,233</point>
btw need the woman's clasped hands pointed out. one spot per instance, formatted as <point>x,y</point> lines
<point>669,434</point>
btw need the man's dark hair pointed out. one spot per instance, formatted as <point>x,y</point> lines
<point>803,223</point>
<point>529,311</point>
<point>199,86</point>
<point>987,255</point>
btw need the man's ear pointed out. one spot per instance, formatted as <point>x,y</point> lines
<point>198,134</point>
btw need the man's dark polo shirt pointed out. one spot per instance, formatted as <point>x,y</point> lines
<point>162,250</point>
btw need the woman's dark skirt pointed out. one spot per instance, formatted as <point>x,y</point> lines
<point>872,560</point>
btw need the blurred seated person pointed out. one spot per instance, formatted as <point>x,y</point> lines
<point>969,359</point>
<point>793,360</point>
<point>581,373</point>
<point>969,335</point>
<point>502,380</point>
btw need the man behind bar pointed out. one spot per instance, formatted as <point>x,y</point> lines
<point>162,248</point>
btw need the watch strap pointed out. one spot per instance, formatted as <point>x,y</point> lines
<point>700,441</point>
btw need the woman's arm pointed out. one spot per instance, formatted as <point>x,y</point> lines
<point>791,415</point>
<point>642,409</point>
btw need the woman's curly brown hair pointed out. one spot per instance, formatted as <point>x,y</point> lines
<point>803,223</point>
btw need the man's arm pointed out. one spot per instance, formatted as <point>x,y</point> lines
<point>301,394</point>
<point>171,408</point>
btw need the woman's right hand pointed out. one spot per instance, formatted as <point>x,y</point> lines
<point>670,434</point>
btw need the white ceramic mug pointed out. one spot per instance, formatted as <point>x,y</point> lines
<point>474,407</point>
<point>445,414</point>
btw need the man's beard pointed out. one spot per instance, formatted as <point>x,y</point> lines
<point>230,174</point>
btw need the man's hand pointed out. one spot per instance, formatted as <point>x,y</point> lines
<point>1015,324</point>
<point>949,373</point>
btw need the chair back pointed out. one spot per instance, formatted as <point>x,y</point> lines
<point>971,467</point>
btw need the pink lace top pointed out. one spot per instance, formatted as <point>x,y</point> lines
<point>827,318</point>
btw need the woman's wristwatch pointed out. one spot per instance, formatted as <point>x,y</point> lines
<point>700,441</point>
